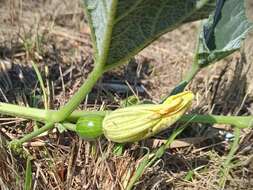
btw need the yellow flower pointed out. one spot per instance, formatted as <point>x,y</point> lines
<point>139,122</point>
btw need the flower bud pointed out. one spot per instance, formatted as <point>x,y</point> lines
<point>139,122</point>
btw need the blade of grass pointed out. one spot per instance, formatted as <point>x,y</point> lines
<point>118,149</point>
<point>138,172</point>
<point>28,175</point>
<point>149,159</point>
<point>42,86</point>
<point>227,165</point>
<point>161,150</point>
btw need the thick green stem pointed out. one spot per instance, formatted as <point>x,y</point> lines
<point>192,73</point>
<point>18,142</point>
<point>238,121</point>
<point>36,132</point>
<point>23,112</point>
<point>181,86</point>
<point>78,97</point>
<point>195,68</point>
<point>41,114</point>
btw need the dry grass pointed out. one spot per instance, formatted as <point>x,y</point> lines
<point>54,35</point>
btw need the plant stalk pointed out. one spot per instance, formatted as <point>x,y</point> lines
<point>78,97</point>
<point>237,121</point>
<point>42,115</point>
<point>24,112</point>
<point>30,136</point>
<point>195,68</point>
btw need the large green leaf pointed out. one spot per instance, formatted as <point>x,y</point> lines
<point>121,28</point>
<point>223,32</point>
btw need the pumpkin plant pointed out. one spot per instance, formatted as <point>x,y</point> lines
<point>119,30</point>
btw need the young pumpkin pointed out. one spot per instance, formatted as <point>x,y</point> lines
<point>90,127</point>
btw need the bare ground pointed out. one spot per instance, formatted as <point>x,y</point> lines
<point>54,35</point>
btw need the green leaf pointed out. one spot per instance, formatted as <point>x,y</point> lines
<point>223,32</point>
<point>121,28</point>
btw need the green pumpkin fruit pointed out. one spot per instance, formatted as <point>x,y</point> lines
<point>90,127</point>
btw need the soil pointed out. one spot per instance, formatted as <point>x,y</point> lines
<point>54,35</point>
